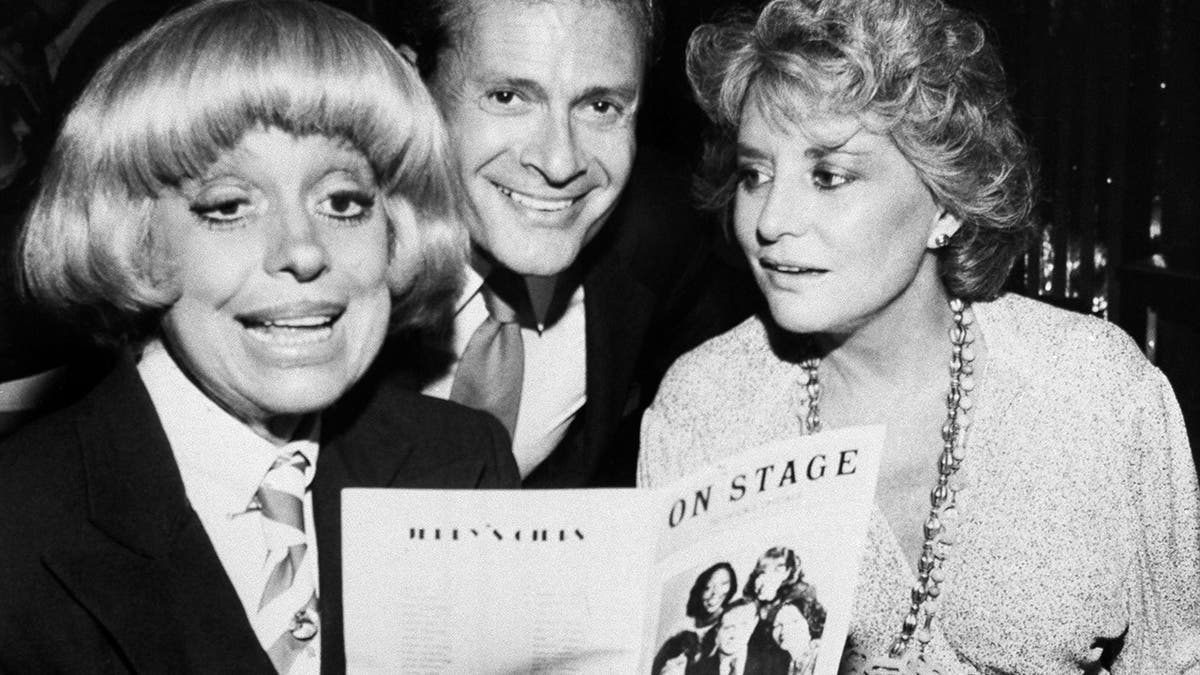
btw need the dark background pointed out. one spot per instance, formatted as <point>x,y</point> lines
<point>1107,90</point>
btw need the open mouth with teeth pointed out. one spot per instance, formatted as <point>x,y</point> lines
<point>790,269</point>
<point>536,203</point>
<point>291,331</point>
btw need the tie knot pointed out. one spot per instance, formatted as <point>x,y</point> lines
<point>282,490</point>
<point>294,459</point>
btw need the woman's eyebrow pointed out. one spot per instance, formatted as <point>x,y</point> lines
<point>750,152</point>
<point>834,144</point>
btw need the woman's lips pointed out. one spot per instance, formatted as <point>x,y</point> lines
<point>294,324</point>
<point>790,268</point>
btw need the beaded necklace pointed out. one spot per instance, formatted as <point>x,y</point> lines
<point>906,654</point>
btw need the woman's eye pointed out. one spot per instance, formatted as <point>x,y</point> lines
<point>346,205</point>
<point>225,211</point>
<point>826,179</point>
<point>750,178</point>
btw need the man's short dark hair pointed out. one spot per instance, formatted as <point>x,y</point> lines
<point>437,24</point>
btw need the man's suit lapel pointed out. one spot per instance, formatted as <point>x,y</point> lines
<point>143,565</point>
<point>619,308</point>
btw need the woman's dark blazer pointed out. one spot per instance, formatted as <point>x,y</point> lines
<point>105,567</point>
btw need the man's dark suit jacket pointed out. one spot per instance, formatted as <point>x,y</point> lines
<point>105,567</point>
<point>653,289</point>
<point>776,662</point>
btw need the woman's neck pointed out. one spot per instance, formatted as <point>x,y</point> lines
<point>898,345</point>
<point>278,429</point>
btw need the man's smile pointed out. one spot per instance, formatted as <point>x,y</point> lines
<point>529,201</point>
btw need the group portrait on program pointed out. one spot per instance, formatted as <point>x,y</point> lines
<point>322,259</point>
<point>773,626</point>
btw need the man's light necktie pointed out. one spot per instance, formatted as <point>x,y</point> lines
<point>287,600</point>
<point>492,367</point>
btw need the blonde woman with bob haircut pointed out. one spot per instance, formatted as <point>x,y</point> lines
<point>1037,509</point>
<point>247,198</point>
<point>162,109</point>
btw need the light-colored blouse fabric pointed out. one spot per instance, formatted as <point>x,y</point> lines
<point>1080,518</point>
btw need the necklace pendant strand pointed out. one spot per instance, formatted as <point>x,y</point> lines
<point>811,421</point>
<point>906,654</point>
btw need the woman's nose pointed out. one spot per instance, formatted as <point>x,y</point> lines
<point>299,249</point>
<point>786,210</point>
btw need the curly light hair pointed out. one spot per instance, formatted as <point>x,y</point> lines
<point>917,70</point>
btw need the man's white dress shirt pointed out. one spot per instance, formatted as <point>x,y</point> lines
<point>554,387</point>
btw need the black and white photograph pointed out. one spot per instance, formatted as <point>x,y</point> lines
<point>773,625</point>
<point>858,337</point>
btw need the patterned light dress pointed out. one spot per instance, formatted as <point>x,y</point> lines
<point>1080,519</point>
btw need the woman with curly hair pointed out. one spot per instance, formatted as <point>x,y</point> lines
<point>796,627</point>
<point>777,576</point>
<point>1037,507</point>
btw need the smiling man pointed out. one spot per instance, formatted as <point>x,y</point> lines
<point>541,99</point>
<point>580,291</point>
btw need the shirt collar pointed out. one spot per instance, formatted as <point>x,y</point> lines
<point>221,460</point>
<point>472,284</point>
<point>541,292</point>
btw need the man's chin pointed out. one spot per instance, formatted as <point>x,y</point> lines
<point>538,255</point>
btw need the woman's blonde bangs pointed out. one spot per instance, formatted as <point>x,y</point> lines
<point>166,105</point>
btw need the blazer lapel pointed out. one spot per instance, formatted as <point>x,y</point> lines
<point>366,442</point>
<point>338,466</point>
<point>143,565</point>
